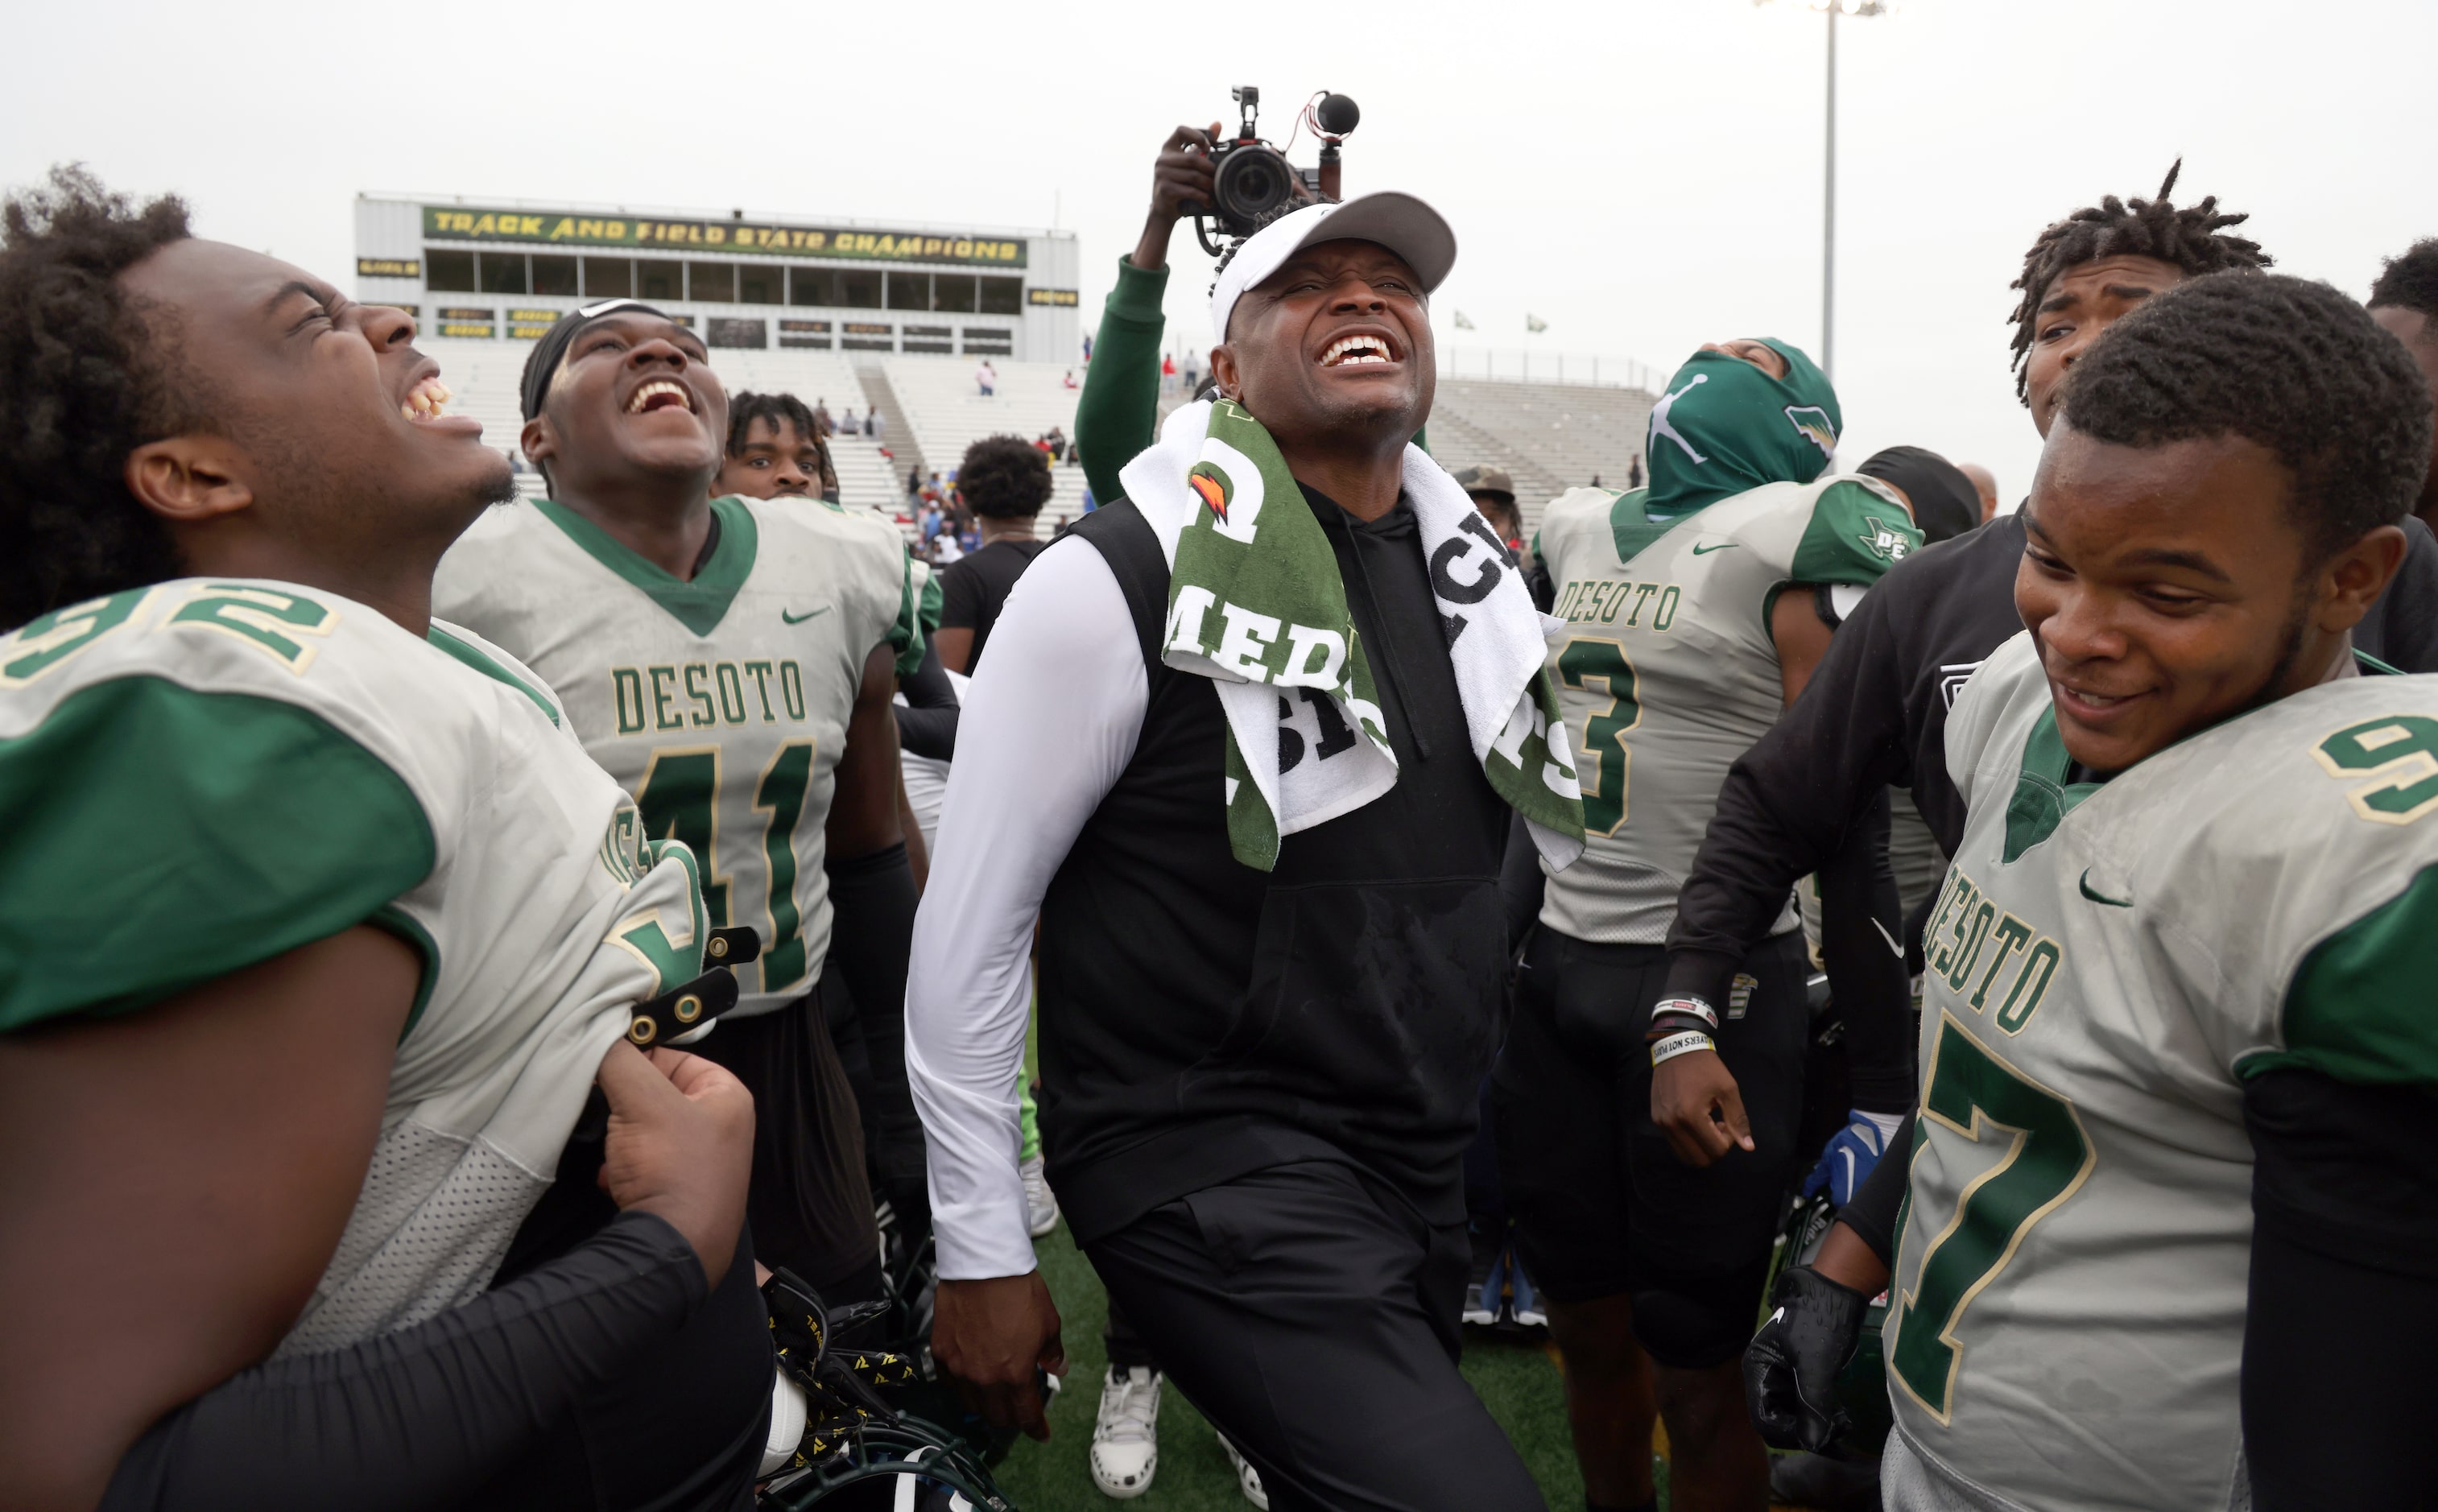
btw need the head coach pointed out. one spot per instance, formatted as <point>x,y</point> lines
<point>1250,747</point>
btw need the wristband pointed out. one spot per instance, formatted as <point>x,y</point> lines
<point>1686,1005</point>
<point>1667,1024</point>
<point>1677,1044</point>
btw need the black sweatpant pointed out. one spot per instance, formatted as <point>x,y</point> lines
<point>810,1201</point>
<point>1312,1315</point>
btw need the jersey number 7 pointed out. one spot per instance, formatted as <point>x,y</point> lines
<point>1979,1096</point>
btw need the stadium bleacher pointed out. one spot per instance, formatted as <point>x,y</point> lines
<point>1549,436</point>
<point>945,412</point>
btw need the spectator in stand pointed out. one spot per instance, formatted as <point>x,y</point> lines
<point>1087,347</point>
<point>1069,380</point>
<point>1596,483</point>
<point>1986,483</point>
<point>872,425</point>
<point>822,416</point>
<point>914,482</point>
<point>1634,471</point>
<point>847,423</point>
<point>986,378</point>
<point>1167,371</point>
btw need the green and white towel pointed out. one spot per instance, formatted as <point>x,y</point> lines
<point>1255,604</point>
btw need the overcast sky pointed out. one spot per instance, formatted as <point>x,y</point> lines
<point>1644,176</point>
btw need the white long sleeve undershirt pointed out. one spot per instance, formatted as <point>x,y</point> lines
<point>1048,726</point>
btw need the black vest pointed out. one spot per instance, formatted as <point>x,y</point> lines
<point>1200,1019</point>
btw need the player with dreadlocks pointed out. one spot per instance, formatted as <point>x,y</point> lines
<point>2096,264</point>
<point>2405,301</point>
<point>1876,712</point>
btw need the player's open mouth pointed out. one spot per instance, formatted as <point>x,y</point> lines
<point>428,400</point>
<point>660,394</point>
<point>1356,351</point>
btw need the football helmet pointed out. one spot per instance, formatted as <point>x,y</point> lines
<point>856,1428</point>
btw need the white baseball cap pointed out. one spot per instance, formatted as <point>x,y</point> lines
<point>1400,222</point>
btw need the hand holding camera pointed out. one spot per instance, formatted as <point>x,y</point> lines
<point>1236,181</point>
<point>1180,180</point>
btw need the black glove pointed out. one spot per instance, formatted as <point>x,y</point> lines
<point>1791,1366</point>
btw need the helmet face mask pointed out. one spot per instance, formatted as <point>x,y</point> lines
<point>869,1451</point>
<point>856,1428</point>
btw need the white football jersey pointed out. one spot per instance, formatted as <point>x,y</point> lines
<point>2106,965</point>
<point>721,703</point>
<point>1668,673</point>
<point>229,769</point>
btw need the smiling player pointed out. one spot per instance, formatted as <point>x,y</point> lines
<point>731,662</point>
<point>2178,1062</point>
<point>315,924</point>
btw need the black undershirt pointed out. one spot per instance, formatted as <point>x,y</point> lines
<point>974,589</point>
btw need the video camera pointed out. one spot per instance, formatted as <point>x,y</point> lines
<point>1253,178</point>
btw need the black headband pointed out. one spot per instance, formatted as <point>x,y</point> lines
<point>543,363</point>
<point>1945,504</point>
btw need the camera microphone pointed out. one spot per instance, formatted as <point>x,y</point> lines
<point>1337,114</point>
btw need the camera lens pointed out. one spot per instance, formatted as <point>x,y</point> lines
<point>1252,180</point>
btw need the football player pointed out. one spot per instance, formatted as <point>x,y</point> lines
<point>2177,1137</point>
<point>1693,612</point>
<point>318,924</point>
<point>731,662</point>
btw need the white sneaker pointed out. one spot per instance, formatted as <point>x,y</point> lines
<point>1125,1440</point>
<point>1040,1202</point>
<point>1247,1479</point>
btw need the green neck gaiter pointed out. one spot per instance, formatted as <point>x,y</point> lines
<point>1724,426</point>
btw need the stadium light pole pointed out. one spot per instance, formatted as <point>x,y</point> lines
<point>1833,8</point>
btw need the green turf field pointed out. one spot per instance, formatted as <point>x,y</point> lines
<point>1517,1379</point>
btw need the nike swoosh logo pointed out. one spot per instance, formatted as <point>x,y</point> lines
<point>799,618</point>
<point>2113,903</point>
<point>1894,949</point>
<point>1723,546</point>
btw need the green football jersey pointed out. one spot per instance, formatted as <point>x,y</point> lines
<point>2106,965</point>
<point>204,774</point>
<point>1668,671</point>
<point>721,703</point>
